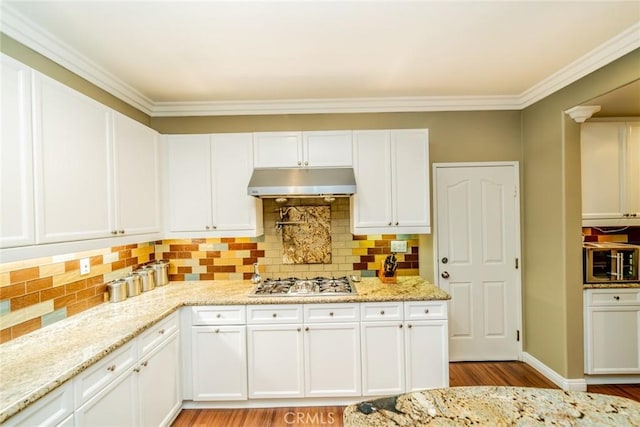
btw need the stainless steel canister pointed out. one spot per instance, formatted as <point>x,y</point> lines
<point>117,290</point>
<point>134,285</point>
<point>161,270</point>
<point>147,278</point>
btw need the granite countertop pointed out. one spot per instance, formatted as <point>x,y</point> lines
<point>611,285</point>
<point>35,364</point>
<point>491,405</point>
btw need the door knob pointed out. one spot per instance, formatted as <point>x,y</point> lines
<point>445,275</point>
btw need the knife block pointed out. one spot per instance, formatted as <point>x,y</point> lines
<point>387,279</point>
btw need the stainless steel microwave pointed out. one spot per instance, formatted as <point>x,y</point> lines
<point>606,262</point>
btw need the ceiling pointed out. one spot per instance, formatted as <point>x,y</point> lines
<point>235,57</point>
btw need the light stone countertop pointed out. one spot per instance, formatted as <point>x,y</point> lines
<point>494,406</point>
<point>611,285</point>
<point>35,364</point>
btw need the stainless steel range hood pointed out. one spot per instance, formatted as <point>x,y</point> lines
<point>302,182</point>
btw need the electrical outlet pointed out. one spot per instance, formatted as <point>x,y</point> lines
<point>398,246</point>
<point>85,266</point>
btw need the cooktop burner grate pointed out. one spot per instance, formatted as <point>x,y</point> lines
<point>293,286</point>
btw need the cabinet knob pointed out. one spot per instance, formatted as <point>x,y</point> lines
<point>299,163</point>
<point>218,315</point>
<point>215,227</point>
<point>331,313</point>
<point>409,326</point>
<point>306,329</point>
<point>121,231</point>
<point>400,326</point>
<point>136,369</point>
<point>161,331</point>
<point>397,223</point>
<point>111,368</point>
<point>114,232</point>
<point>382,312</point>
<point>306,163</point>
<point>299,329</point>
<point>217,330</point>
<point>426,311</point>
<point>207,227</point>
<point>616,297</point>
<point>389,223</point>
<point>145,363</point>
<point>275,314</point>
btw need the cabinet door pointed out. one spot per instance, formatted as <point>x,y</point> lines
<point>137,177</point>
<point>159,384</point>
<point>332,360</point>
<point>16,150</point>
<point>632,168</point>
<point>189,158</point>
<point>54,409</point>
<point>233,209</point>
<point>275,361</point>
<point>612,340</point>
<point>410,172</point>
<point>327,148</point>
<point>219,361</point>
<point>382,358</point>
<point>277,149</point>
<point>73,184</point>
<point>115,405</point>
<point>427,355</point>
<point>601,170</point>
<point>372,202</point>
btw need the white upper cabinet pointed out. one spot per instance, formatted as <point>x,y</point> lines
<point>302,149</point>
<point>137,177</point>
<point>208,177</point>
<point>16,150</point>
<point>610,173</point>
<point>392,175</point>
<point>73,169</point>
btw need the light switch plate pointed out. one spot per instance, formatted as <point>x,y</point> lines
<point>85,266</point>
<point>399,246</point>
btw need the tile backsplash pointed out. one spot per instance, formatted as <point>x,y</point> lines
<point>35,293</point>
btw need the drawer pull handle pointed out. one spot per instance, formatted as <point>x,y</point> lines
<point>218,315</point>
<point>217,330</point>
<point>275,314</point>
<point>616,297</point>
<point>382,312</point>
<point>161,331</point>
<point>331,313</point>
<point>426,311</point>
<point>111,368</point>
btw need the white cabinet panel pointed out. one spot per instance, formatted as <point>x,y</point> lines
<point>303,149</point>
<point>277,149</point>
<point>392,172</point>
<point>383,367</point>
<point>55,409</point>
<point>427,356</point>
<point>208,177</point>
<point>610,154</point>
<point>275,356</point>
<point>16,150</point>
<point>159,384</point>
<point>327,148</point>
<point>137,177</point>
<point>115,405</point>
<point>73,178</point>
<point>332,359</point>
<point>189,183</point>
<point>219,360</point>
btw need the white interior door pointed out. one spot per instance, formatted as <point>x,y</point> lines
<point>477,226</point>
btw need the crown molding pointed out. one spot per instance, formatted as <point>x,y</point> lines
<point>16,26</point>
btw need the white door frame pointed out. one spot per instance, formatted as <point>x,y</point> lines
<point>518,243</point>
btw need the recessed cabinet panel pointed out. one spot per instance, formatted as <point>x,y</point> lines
<point>410,172</point>
<point>16,170</point>
<point>73,184</point>
<point>327,148</point>
<point>277,149</point>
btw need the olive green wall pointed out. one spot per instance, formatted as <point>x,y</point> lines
<point>552,291</point>
<point>44,65</point>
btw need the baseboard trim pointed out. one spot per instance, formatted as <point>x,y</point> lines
<point>577,384</point>
<point>612,379</point>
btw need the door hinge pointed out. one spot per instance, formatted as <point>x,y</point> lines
<point>517,262</point>
<point>515,192</point>
<point>518,335</point>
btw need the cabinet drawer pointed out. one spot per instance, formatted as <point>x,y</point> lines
<point>373,311</point>
<point>219,315</point>
<point>54,409</point>
<point>316,313</point>
<point>425,310</point>
<point>613,296</point>
<point>98,376</point>
<point>153,336</point>
<point>282,313</point>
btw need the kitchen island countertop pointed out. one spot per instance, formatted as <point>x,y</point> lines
<point>35,364</point>
<point>494,405</point>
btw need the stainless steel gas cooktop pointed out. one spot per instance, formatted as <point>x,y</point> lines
<point>293,286</point>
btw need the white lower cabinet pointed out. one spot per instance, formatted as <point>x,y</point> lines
<point>612,331</point>
<point>426,355</point>
<point>137,385</point>
<point>219,353</point>
<point>55,409</point>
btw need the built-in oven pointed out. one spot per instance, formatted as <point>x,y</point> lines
<point>606,262</point>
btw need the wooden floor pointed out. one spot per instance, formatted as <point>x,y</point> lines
<point>460,374</point>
